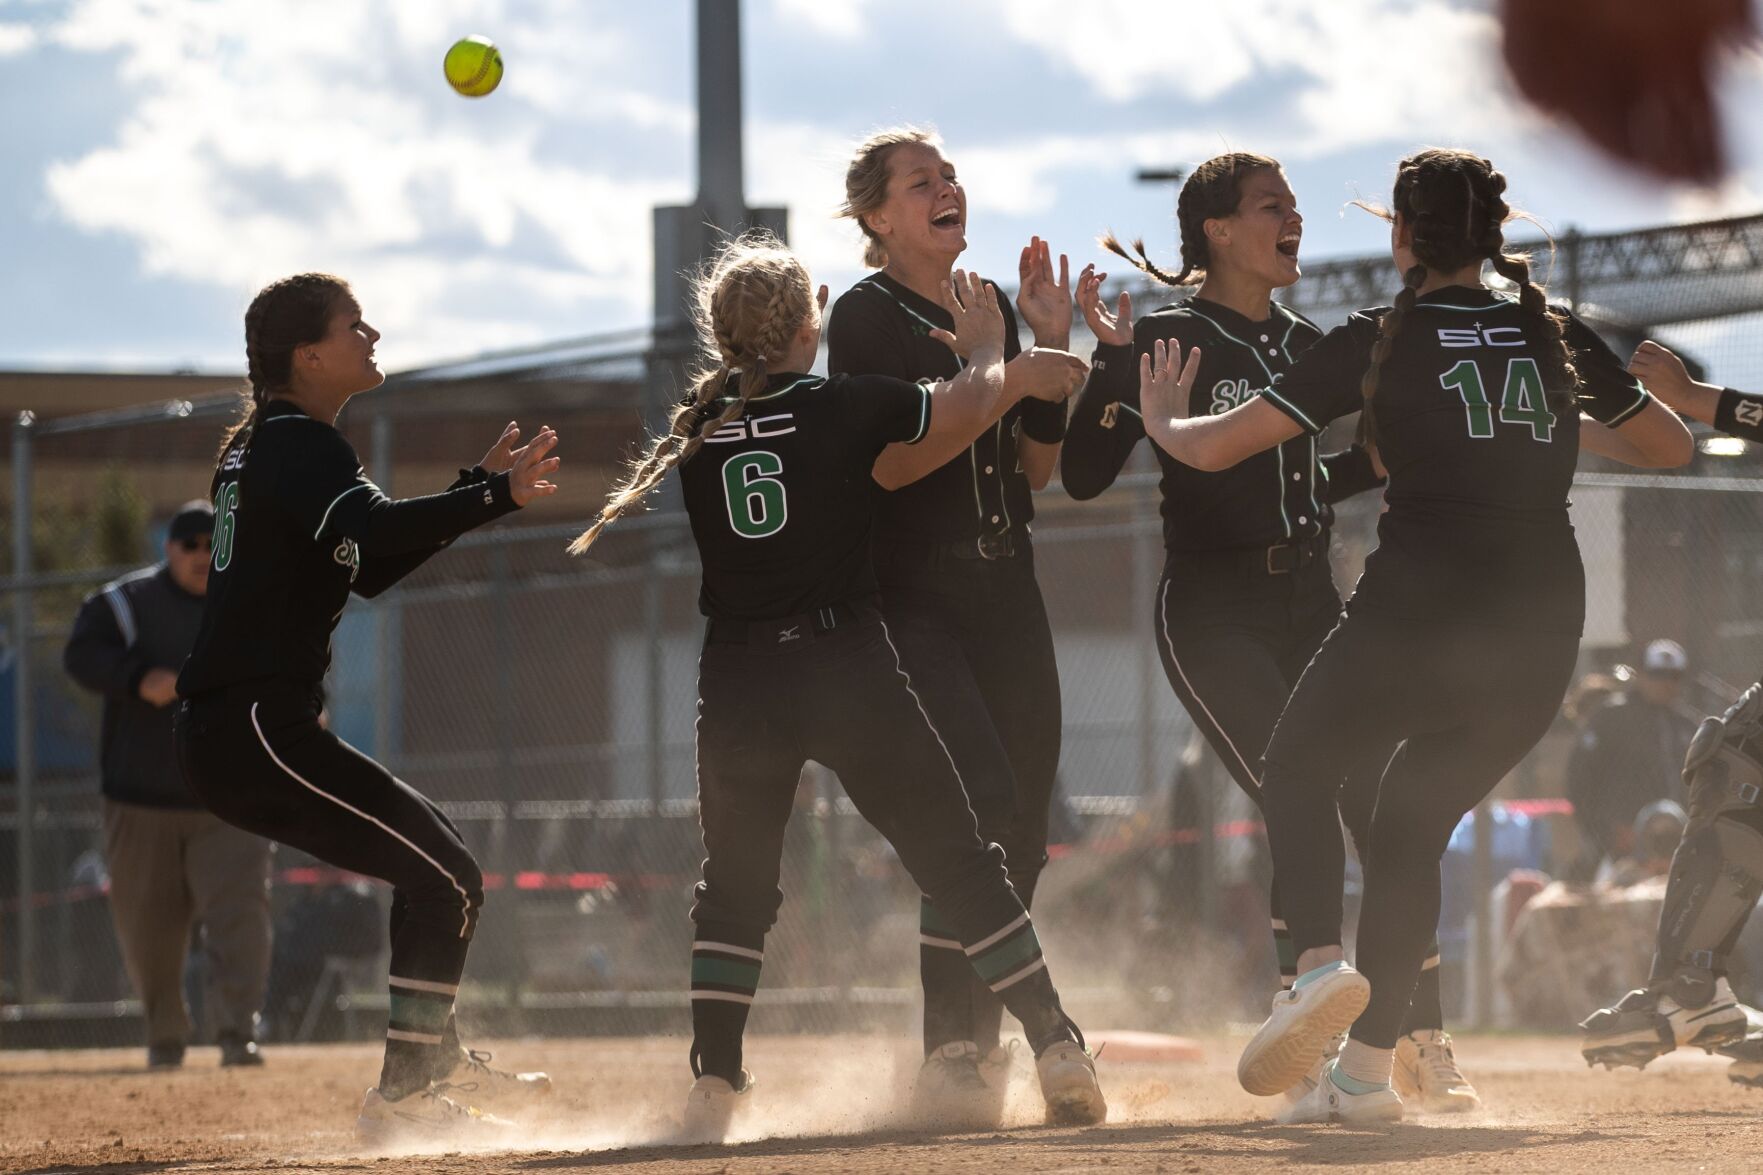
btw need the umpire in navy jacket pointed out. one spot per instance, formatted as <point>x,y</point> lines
<point>171,863</point>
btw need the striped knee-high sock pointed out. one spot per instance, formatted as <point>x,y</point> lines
<point>417,1049</point>
<point>725,976</point>
<point>948,980</point>
<point>1009,960</point>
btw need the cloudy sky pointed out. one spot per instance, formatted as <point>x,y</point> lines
<point>167,157</point>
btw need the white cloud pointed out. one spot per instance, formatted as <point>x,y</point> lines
<point>1348,82</point>
<point>16,39</point>
<point>307,138</point>
<point>842,20</point>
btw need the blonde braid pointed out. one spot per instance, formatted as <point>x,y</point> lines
<point>751,299</point>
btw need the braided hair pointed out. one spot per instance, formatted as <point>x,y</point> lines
<point>752,298</point>
<point>1455,205</point>
<point>284,316</point>
<point>1212,192</point>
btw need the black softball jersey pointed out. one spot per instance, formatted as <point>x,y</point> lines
<point>1480,464</point>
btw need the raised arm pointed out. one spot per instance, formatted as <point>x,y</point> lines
<point>1210,443</point>
<point>963,407</point>
<point>1733,412</point>
<point>1045,303</point>
<point>1105,424</point>
<point>1620,420</point>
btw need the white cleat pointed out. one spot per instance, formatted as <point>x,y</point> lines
<point>1069,1086</point>
<point>1302,1020</point>
<point>1308,1082</point>
<point>1328,1102</point>
<point>1425,1073</point>
<point>951,1092</point>
<point>489,1088</point>
<point>429,1115</point>
<point>711,1106</point>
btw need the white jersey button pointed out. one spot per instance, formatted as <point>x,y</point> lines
<point>1302,521</point>
<point>988,469</point>
<point>994,518</point>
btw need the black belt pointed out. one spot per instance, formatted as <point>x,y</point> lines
<point>786,632</point>
<point>1001,545</point>
<point>1285,558</point>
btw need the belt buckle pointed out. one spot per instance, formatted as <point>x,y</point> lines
<point>994,546</point>
<point>1271,569</point>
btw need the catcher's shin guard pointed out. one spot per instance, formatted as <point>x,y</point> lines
<point>1717,871</point>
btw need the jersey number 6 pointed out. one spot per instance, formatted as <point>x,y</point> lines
<point>1522,401</point>
<point>757,507</point>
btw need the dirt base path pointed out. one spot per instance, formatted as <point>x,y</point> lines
<point>828,1105</point>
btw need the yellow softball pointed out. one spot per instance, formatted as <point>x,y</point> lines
<point>474,66</point>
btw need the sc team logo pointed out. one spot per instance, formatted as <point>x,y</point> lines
<point>1482,336</point>
<point>348,554</point>
<point>1229,393</point>
<point>757,428</point>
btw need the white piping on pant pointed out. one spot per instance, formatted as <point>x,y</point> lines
<point>464,898</point>
<point>1169,643</point>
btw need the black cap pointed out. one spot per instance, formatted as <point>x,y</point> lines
<point>194,520</point>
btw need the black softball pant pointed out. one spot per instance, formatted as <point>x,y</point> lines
<point>258,758</point>
<point>974,634</point>
<point>1234,638</point>
<point>831,687</point>
<point>1466,703</point>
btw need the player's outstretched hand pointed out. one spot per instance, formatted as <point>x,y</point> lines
<point>973,306</point>
<point>1044,302</point>
<point>500,458</point>
<point>1114,330</point>
<point>1046,374</point>
<point>1662,371</point>
<point>1166,384</point>
<point>526,477</point>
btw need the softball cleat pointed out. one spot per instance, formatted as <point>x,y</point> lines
<point>484,1086</point>
<point>1069,1086</point>
<point>1328,1102</point>
<point>711,1107</point>
<point>1301,1023</point>
<point>1425,1073</point>
<point>430,1115</point>
<point>1646,1024</point>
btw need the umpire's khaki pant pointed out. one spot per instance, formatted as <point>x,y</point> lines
<point>168,870</point>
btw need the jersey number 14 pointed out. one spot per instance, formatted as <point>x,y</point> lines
<point>1523,401</point>
<point>757,506</point>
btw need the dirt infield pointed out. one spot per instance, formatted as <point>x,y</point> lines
<point>830,1105</point>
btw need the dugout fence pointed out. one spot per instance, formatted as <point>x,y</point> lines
<point>548,703</point>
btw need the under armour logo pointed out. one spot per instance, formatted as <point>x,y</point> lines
<point>789,634</point>
<point>1110,414</point>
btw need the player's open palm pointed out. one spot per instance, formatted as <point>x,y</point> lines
<point>1045,302</point>
<point>1166,384</point>
<point>978,324</point>
<point>1111,329</point>
<point>532,465</point>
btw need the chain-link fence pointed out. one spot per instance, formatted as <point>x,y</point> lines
<point>548,704</point>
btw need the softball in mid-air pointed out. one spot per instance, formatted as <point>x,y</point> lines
<point>474,66</point>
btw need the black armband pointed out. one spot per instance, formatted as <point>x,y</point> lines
<point>1044,421</point>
